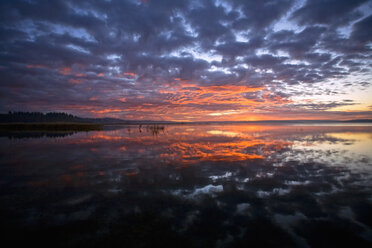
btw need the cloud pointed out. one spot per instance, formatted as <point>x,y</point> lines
<point>361,30</point>
<point>325,11</point>
<point>183,60</point>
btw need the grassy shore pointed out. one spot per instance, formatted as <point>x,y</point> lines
<point>50,127</point>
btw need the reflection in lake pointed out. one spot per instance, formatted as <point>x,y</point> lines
<point>34,134</point>
<point>190,186</point>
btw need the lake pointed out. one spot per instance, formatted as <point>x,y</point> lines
<point>232,185</point>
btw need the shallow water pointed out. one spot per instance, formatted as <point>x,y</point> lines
<point>189,186</point>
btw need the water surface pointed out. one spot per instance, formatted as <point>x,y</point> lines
<point>189,186</point>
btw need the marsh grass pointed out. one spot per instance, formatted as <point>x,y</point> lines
<point>57,126</point>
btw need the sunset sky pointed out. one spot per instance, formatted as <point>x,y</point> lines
<point>203,60</point>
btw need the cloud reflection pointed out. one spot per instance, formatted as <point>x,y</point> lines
<point>292,180</point>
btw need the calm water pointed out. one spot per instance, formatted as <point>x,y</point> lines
<point>189,186</point>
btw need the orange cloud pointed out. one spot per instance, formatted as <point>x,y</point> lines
<point>65,71</point>
<point>188,101</point>
<point>130,74</point>
<point>103,111</point>
<point>128,174</point>
<point>224,94</point>
<point>35,66</point>
<point>75,81</point>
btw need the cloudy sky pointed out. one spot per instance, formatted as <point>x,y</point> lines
<point>188,60</point>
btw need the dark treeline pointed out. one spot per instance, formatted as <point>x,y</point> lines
<point>38,117</point>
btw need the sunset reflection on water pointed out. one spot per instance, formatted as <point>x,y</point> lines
<point>242,181</point>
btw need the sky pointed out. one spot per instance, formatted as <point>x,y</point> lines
<point>203,60</point>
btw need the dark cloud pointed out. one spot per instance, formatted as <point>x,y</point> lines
<point>362,30</point>
<point>296,44</point>
<point>259,14</point>
<point>325,11</point>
